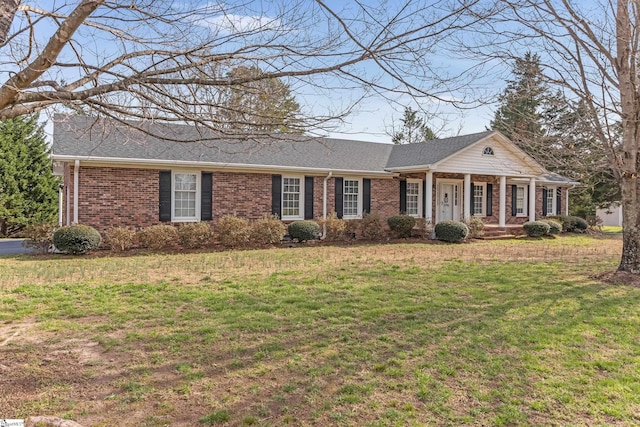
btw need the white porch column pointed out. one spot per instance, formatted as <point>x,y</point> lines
<point>428,198</point>
<point>532,199</point>
<point>566,203</point>
<point>76,180</point>
<point>467,196</point>
<point>60,204</point>
<point>502,219</point>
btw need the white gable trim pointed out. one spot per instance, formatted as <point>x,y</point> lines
<point>534,168</point>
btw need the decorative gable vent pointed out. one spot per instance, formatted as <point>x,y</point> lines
<point>488,151</point>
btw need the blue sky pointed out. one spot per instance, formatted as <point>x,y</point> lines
<point>372,117</point>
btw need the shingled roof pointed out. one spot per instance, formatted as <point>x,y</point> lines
<point>90,138</point>
<point>99,139</point>
<point>432,151</point>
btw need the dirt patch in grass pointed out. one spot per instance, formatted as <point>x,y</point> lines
<point>615,277</point>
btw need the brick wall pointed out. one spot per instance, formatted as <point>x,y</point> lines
<point>128,197</point>
<point>246,195</point>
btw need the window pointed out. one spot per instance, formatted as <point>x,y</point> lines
<point>488,151</point>
<point>185,201</point>
<point>551,192</point>
<point>351,198</point>
<point>521,201</point>
<point>478,199</point>
<point>291,196</point>
<point>414,197</point>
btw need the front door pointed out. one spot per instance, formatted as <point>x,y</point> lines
<point>448,201</point>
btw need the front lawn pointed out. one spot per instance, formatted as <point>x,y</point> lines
<point>488,333</point>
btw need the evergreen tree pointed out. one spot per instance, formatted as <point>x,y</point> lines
<point>28,189</point>
<point>556,132</point>
<point>259,106</point>
<point>414,129</point>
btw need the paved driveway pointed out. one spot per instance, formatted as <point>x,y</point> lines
<point>13,247</point>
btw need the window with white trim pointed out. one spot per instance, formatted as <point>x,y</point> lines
<point>351,201</point>
<point>521,200</point>
<point>414,197</point>
<point>479,191</point>
<point>551,201</point>
<point>292,190</point>
<point>185,200</point>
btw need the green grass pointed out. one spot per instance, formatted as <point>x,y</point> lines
<point>611,229</point>
<point>490,333</point>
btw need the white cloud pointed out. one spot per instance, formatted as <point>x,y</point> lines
<point>232,24</point>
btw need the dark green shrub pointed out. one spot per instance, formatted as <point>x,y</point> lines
<point>119,239</point>
<point>580,223</point>
<point>401,225</point>
<point>268,230</point>
<point>451,231</point>
<point>304,230</point>
<point>536,228</point>
<point>554,226</point>
<point>39,237</point>
<point>76,239</point>
<point>570,223</point>
<point>158,237</point>
<point>233,231</point>
<point>371,226</point>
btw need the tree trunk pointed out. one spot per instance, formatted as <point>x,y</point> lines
<point>8,9</point>
<point>630,260</point>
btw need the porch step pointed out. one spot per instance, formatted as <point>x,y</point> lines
<point>509,232</point>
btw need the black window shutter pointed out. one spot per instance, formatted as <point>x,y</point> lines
<point>489,199</point>
<point>559,201</point>
<point>544,201</point>
<point>471,204</point>
<point>403,197</point>
<point>424,195</point>
<point>366,195</point>
<point>514,200</point>
<point>339,192</point>
<point>164,204</point>
<point>276,195</point>
<point>308,197</point>
<point>206,193</point>
<point>527,202</point>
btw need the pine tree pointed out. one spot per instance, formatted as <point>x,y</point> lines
<point>414,129</point>
<point>28,189</point>
<point>259,106</point>
<point>556,132</point>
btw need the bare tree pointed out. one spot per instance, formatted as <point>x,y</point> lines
<point>169,61</point>
<point>591,51</point>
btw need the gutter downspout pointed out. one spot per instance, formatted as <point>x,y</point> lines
<point>76,180</point>
<point>324,204</point>
<point>60,203</point>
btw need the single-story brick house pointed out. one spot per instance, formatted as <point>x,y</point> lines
<point>115,175</point>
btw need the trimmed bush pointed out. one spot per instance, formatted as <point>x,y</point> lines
<point>476,227</point>
<point>351,227</point>
<point>158,237</point>
<point>268,230</point>
<point>304,230</point>
<point>536,228</point>
<point>451,231</point>
<point>76,239</point>
<point>401,225</point>
<point>335,228</point>
<point>371,226</point>
<point>39,237</point>
<point>195,234</point>
<point>580,223</point>
<point>554,226</point>
<point>119,239</point>
<point>570,223</point>
<point>233,231</point>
